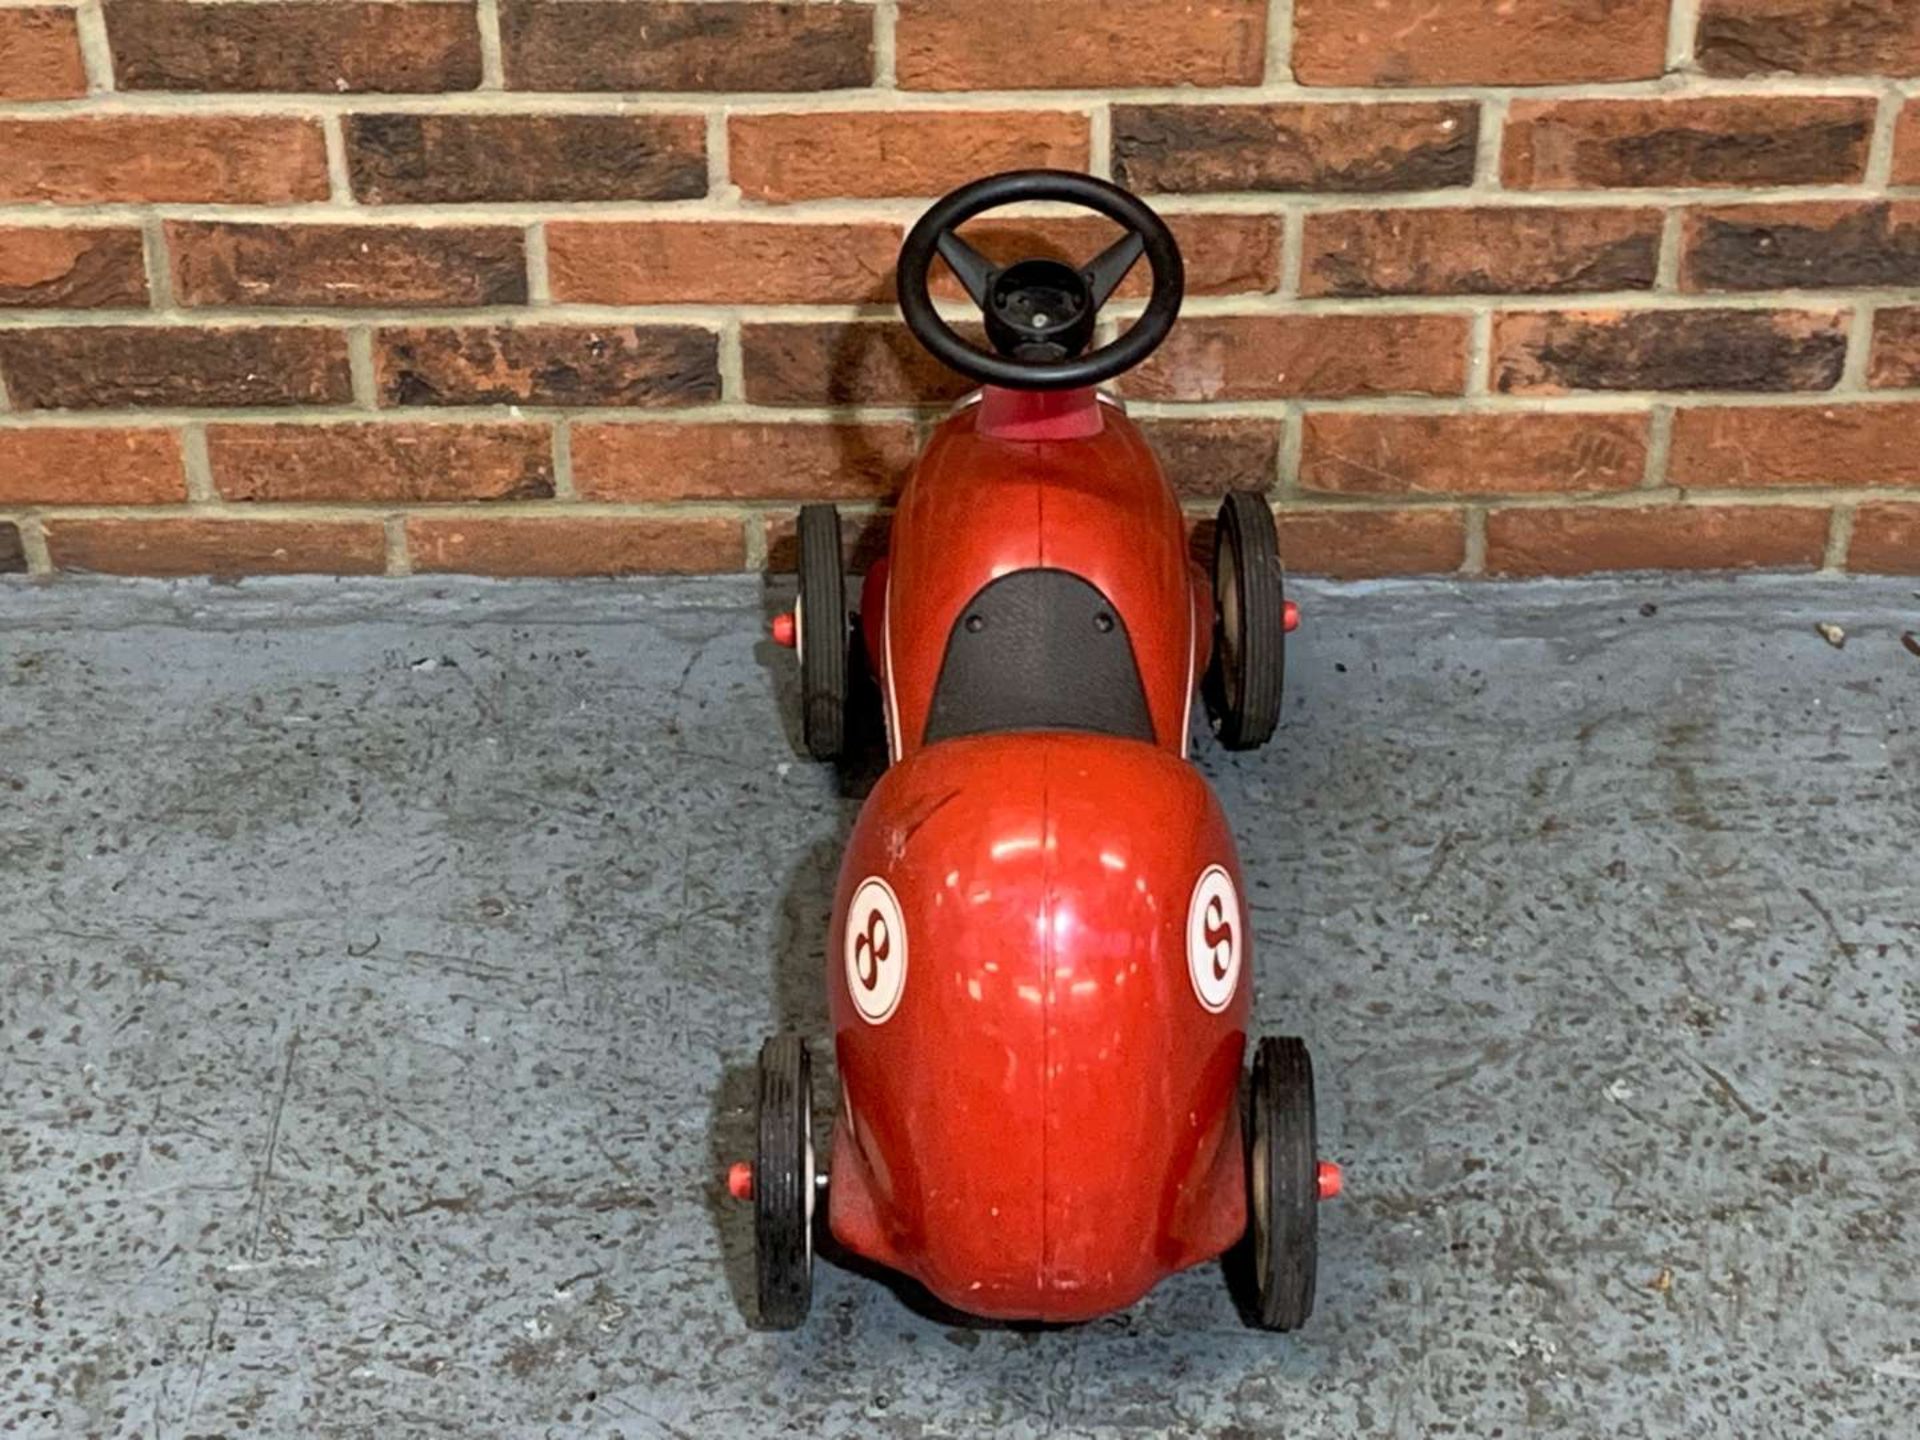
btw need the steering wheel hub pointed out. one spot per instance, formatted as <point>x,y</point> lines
<point>1040,310</point>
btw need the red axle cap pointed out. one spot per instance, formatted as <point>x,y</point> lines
<point>740,1180</point>
<point>1328,1177</point>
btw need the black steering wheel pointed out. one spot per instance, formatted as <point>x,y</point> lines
<point>1040,313</point>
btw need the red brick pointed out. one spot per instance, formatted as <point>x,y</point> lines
<point>576,545</point>
<point>40,54</point>
<point>72,269</point>
<point>870,153</point>
<point>387,463</point>
<point>90,467</point>
<point>118,366</point>
<point>740,461</point>
<point>644,366</point>
<point>1511,250</point>
<point>1808,245</point>
<point>457,159</point>
<point>1251,357</point>
<point>13,551</point>
<point>194,546</point>
<point>1316,146</point>
<point>1717,141</point>
<point>1352,544</point>
<point>1224,254</point>
<point>722,262</point>
<point>1895,361</point>
<point>322,45</point>
<point>1906,146</point>
<point>850,363</point>
<point>180,159</point>
<point>648,262</point>
<point>1809,37</point>
<point>323,266</point>
<point>1655,537</point>
<point>1552,352</point>
<point>1518,42</point>
<point>1355,453</point>
<point>1212,456</point>
<point>648,45</point>
<point>1886,540</point>
<point>1079,44</point>
<point>1754,447</point>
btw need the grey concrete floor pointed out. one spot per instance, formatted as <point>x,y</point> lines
<point>384,964</point>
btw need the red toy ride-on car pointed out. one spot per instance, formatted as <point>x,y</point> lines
<point>1040,960</point>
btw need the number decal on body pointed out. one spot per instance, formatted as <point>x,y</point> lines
<point>1214,939</point>
<point>876,951</point>
<point>872,948</point>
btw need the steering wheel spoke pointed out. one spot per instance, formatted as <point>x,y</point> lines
<point>970,267</point>
<point>1106,270</point>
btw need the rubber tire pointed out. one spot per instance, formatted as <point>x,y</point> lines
<point>1245,678</point>
<point>1283,1156</point>
<point>783,1184</point>
<point>824,636</point>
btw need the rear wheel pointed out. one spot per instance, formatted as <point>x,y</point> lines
<point>1250,637</point>
<point>1283,1183</point>
<point>821,634</point>
<point>783,1184</point>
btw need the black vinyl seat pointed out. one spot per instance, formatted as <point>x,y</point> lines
<point>1039,650</point>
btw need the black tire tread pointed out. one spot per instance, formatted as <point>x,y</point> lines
<point>782,1257</point>
<point>823,662</point>
<point>1248,721</point>
<point>1282,1094</point>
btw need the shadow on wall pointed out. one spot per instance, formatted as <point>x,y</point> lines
<point>845,368</point>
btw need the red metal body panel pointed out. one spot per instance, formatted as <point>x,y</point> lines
<point>978,507</point>
<point>1048,1122</point>
<point>1039,414</point>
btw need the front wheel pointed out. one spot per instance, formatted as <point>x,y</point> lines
<point>821,634</point>
<point>1283,1182</point>
<point>1250,633</point>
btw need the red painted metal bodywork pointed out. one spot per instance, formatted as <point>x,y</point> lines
<point>978,507</point>
<point>1048,1122</point>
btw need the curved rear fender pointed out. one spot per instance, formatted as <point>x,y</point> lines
<point>1047,1121</point>
<point>938,1167</point>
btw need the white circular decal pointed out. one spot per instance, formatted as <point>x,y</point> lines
<point>1213,939</point>
<point>876,951</point>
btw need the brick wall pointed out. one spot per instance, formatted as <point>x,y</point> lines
<point>588,286</point>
